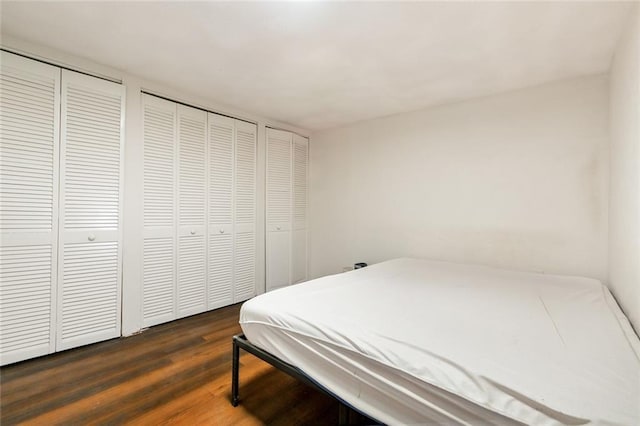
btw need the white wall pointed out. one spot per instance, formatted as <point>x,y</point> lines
<point>517,180</point>
<point>133,213</point>
<point>624,201</point>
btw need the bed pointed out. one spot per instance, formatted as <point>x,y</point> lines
<point>417,341</point>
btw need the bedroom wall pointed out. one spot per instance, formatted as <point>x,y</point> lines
<point>517,180</point>
<point>624,201</point>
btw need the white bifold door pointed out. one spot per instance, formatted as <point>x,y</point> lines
<point>286,208</point>
<point>244,202</point>
<point>160,210</point>
<point>89,270</point>
<point>300,150</point>
<point>192,142</point>
<point>199,210</point>
<point>232,210</point>
<point>61,143</point>
<point>174,247</point>
<point>29,156</point>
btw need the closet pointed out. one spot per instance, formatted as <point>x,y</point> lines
<point>199,210</point>
<point>61,145</point>
<point>286,208</point>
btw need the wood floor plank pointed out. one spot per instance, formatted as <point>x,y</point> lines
<point>174,373</point>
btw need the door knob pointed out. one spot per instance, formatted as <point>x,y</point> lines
<point>91,237</point>
<point>222,231</point>
<point>193,232</point>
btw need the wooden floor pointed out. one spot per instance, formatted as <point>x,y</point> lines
<point>175,373</point>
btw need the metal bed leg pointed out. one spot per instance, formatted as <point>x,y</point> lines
<point>235,367</point>
<point>343,414</point>
<point>345,411</point>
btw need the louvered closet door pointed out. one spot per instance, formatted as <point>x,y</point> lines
<point>191,281</point>
<point>89,271</point>
<point>299,237</point>
<point>245,211</point>
<point>29,132</point>
<point>220,256</point>
<point>278,208</point>
<point>160,191</point>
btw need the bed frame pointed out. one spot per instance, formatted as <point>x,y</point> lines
<point>346,411</point>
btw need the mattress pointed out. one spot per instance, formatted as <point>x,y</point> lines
<point>412,341</point>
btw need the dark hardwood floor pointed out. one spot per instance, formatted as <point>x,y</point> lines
<point>175,373</point>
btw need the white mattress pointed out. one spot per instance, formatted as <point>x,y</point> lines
<point>413,341</point>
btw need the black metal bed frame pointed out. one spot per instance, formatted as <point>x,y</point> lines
<point>240,341</point>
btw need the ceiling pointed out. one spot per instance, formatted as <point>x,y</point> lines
<point>318,65</point>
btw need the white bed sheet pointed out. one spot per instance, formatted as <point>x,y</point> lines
<point>413,341</point>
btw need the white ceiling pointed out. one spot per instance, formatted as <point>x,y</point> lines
<point>319,65</point>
